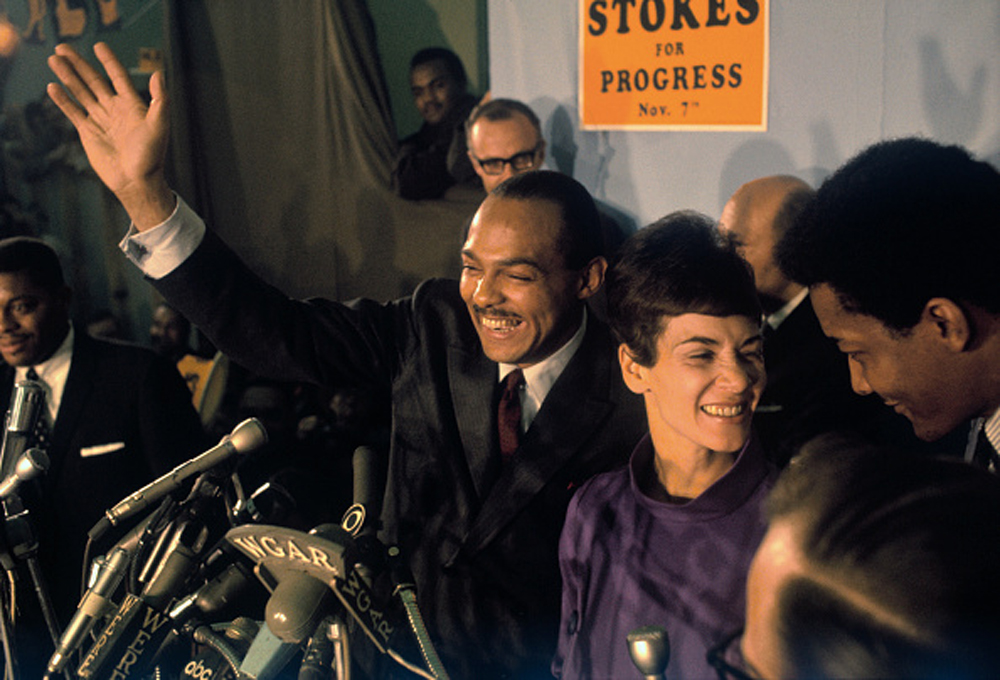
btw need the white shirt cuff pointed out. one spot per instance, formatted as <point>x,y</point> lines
<point>161,249</point>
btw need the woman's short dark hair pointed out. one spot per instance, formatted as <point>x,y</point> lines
<point>902,558</point>
<point>678,265</point>
<point>902,222</point>
<point>33,256</point>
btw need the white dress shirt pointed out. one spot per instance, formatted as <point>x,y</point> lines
<point>539,378</point>
<point>52,373</point>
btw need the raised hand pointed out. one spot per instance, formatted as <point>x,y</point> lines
<point>125,140</point>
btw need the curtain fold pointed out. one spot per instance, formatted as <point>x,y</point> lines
<point>283,140</point>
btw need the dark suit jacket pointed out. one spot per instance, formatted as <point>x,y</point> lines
<point>808,388</point>
<point>114,393</point>
<point>482,542</point>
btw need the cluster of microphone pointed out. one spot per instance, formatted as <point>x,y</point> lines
<point>162,599</point>
<point>19,463</point>
<point>153,597</point>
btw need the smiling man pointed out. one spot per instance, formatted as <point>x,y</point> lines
<point>478,528</point>
<point>117,416</point>
<point>898,249</point>
<point>438,84</point>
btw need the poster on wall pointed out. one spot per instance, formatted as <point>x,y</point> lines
<point>673,64</point>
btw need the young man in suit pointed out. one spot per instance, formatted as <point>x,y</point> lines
<point>808,385</point>
<point>117,416</point>
<point>898,249</point>
<point>475,506</point>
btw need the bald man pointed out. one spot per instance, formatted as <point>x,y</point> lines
<point>808,383</point>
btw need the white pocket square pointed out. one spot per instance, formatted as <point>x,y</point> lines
<point>101,449</point>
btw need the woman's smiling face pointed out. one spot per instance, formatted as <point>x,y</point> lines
<point>706,381</point>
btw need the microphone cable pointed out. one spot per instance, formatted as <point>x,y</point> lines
<point>406,591</point>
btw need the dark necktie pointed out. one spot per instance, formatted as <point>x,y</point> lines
<point>985,456</point>
<point>40,434</point>
<point>509,414</point>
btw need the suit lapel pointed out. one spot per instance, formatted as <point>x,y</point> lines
<point>75,394</point>
<point>472,378</point>
<point>576,406</point>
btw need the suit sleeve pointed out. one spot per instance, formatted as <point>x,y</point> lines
<point>316,341</point>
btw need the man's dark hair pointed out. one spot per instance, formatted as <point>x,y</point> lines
<point>902,222</point>
<point>680,264</point>
<point>794,203</point>
<point>451,62</point>
<point>34,257</point>
<point>503,109</point>
<point>580,240</point>
<point>900,558</point>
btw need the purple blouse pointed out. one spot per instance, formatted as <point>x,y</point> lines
<point>629,561</point>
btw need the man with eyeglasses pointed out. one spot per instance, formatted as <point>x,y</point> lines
<point>504,139</point>
<point>877,563</point>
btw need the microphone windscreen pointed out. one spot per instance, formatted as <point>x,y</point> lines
<point>296,607</point>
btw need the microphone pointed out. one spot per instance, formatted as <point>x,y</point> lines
<point>32,463</point>
<point>245,437</point>
<point>362,517</point>
<point>215,596</point>
<point>26,403</point>
<point>91,608</point>
<point>296,606</point>
<point>302,566</point>
<point>318,658</point>
<point>649,648</point>
<point>361,520</point>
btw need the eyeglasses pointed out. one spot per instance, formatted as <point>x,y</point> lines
<point>727,660</point>
<point>519,162</point>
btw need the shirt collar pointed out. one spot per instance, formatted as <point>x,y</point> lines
<point>775,320</point>
<point>53,372</point>
<point>992,428</point>
<point>539,378</point>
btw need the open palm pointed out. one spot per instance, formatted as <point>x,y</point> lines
<point>124,139</point>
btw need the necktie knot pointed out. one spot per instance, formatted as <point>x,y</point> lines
<point>509,414</point>
<point>40,434</point>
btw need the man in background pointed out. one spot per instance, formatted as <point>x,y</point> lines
<point>808,385</point>
<point>116,416</point>
<point>898,248</point>
<point>438,83</point>
<point>170,333</point>
<point>504,139</point>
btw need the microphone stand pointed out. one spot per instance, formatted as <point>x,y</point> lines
<point>20,536</point>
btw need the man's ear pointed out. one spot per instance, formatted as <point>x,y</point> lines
<point>633,373</point>
<point>592,277</point>
<point>475,165</point>
<point>950,322</point>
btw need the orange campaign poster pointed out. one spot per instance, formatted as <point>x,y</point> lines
<point>673,64</point>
